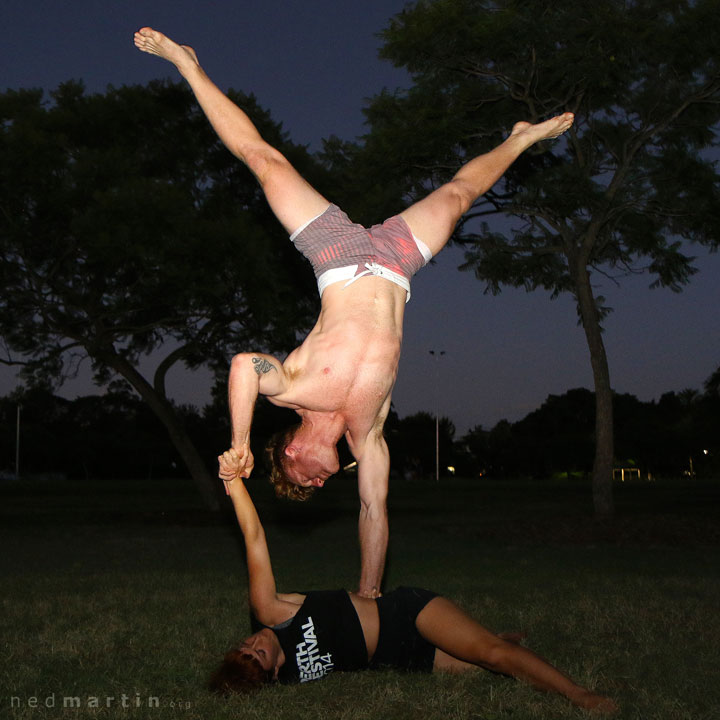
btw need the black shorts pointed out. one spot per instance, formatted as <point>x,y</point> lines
<point>400,645</point>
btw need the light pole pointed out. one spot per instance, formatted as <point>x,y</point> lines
<point>437,356</point>
<point>17,443</point>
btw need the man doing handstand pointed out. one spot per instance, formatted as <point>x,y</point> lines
<point>340,380</point>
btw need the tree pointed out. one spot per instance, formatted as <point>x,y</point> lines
<point>87,437</point>
<point>657,437</point>
<point>412,444</point>
<point>708,425</point>
<point>629,184</point>
<point>127,229</point>
<point>558,435</point>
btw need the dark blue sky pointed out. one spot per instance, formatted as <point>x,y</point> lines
<point>313,65</point>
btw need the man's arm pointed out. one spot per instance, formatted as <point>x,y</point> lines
<point>373,472</point>
<point>251,374</point>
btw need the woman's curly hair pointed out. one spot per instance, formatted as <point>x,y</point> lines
<point>284,487</point>
<point>239,673</point>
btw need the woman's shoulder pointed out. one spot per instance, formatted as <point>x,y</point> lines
<point>283,608</point>
<point>294,598</point>
<point>287,605</point>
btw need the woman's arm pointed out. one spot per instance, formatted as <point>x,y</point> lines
<point>265,603</point>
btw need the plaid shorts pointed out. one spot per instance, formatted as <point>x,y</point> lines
<point>339,249</point>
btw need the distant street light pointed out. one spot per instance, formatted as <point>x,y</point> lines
<point>437,356</point>
<point>17,444</point>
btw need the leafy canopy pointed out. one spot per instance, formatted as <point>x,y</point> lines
<point>125,224</point>
<point>633,179</point>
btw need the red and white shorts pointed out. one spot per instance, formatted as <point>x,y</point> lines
<point>341,250</point>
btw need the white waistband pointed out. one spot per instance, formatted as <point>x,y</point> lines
<point>329,277</point>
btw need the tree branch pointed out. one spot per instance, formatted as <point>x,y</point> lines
<point>178,354</point>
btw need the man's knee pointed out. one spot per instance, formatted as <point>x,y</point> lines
<point>461,194</point>
<point>266,163</point>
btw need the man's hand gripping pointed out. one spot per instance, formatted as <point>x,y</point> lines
<point>235,463</point>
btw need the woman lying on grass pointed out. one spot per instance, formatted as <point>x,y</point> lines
<point>304,637</point>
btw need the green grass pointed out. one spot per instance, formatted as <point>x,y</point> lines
<point>131,588</point>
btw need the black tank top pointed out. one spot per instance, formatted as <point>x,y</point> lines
<point>324,636</point>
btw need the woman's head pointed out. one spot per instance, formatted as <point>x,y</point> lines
<point>253,663</point>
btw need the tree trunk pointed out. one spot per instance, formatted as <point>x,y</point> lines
<point>206,485</point>
<point>602,476</point>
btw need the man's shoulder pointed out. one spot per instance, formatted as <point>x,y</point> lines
<point>361,438</point>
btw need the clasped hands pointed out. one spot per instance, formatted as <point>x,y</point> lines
<point>235,463</point>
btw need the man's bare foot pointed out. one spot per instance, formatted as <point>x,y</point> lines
<point>552,128</point>
<point>155,43</point>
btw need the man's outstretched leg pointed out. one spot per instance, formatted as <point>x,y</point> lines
<point>292,199</point>
<point>433,218</point>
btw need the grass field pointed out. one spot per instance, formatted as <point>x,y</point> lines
<point>126,594</point>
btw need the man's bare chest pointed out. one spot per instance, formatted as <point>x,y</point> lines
<point>353,375</point>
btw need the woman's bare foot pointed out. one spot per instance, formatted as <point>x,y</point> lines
<point>155,43</point>
<point>552,128</point>
<point>596,704</point>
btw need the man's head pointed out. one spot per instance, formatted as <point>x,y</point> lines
<point>300,463</point>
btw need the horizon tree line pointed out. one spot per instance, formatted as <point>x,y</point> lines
<point>117,436</point>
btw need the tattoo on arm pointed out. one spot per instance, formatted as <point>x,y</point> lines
<point>263,366</point>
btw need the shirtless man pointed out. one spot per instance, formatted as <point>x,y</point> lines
<point>340,380</point>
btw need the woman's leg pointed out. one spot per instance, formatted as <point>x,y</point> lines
<point>460,638</point>
<point>293,200</point>
<point>433,218</point>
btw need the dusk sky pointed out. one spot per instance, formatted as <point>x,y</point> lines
<point>313,65</point>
